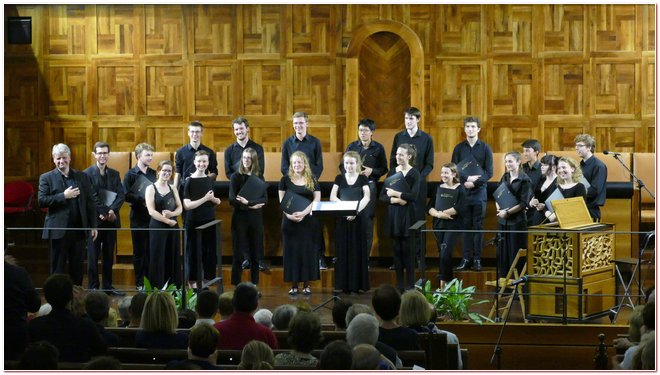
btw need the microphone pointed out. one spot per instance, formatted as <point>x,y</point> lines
<point>606,152</point>
<point>521,280</point>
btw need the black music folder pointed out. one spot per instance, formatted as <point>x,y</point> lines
<point>469,167</point>
<point>107,197</point>
<point>553,197</point>
<point>140,185</point>
<point>397,182</point>
<point>254,188</point>
<point>350,194</point>
<point>198,187</point>
<point>293,202</point>
<point>504,197</point>
<point>369,161</point>
<point>445,198</point>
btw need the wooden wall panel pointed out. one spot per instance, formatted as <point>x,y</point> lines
<point>615,87</point>
<point>313,89</point>
<point>213,88</point>
<point>214,29</point>
<point>117,88</point>
<point>122,136</point>
<point>510,28</point>
<point>164,31</point>
<point>459,30</point>
<point>263,88</point>
<point>67,89</point>
<point>613,28</point>
<point>260,34</point>
<point>313,30</point>
<point>66,30</point>
<point>460,88</point>
<point>564,89</point>
<point>563,28</point>
<point>22,139</point>
<point>648,86</point>
<point>165,90</point>
<point>22,89</point>
<point>117,29</point>
<point>512,88</point>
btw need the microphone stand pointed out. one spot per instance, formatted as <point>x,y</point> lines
<point>498,241</point>
<point>497,352</point>
<point>325,302</point>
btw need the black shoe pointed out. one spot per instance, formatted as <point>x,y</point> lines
<point>477,265</point>
<point>114,292</point>
<point>322,265</point>
<point>463,265</point>
<point>263,267</point>
<point>245,265</point>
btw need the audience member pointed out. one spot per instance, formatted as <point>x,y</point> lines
<point>648,353</point>
<point>386,302</point>
<point>225,307</point>
<point>124,314</point>
<point>339,310</point>
<point>76,339</point>
<point>363,329</point>
<point>240,328</point>
<point>264,317</point>
<point>112,321</point>
<point>337,355</point>
<point>187,318</point>
<point>103,363</point>
<point>367,357</point>
<point>97,306</point>
<point>201,348</point>
<point>20,298</point>
<point>415,312</point>
<point>282,316</point>
<point>634,335</point>
<point>39,355</point>
<point>135,309</point>
<point>304,335</point>
<point>206,307</point>
<point>158,324</point>
<point>256,355</point>
<point>358,308</point>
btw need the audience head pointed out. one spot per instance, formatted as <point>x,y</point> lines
<point>282,316</point>
<point>39,355</point>
<point>363,329</point>
<point>225,307</point>
<point>636,323</point>
<point>207,304</point>
<point>111,320</point>
<point>58,290</point>
<point>414,309</point>
<point>246,297</point>
<point>123,306</point>
<point>365,357</point>
<point>103,363</point>
<point>186,318</point>
<point>649,316</point>
<point>257,355</point>
<point>337,355</point>
<point>302,305</point>
<point>339,310</point>
<point>648,353</point>
<point>159,314</point>
<point>264,317</point>
<point>386,301</point>
<point>305,331</point>
<point>97,304</point>
<point>136,308</point>
<point>355,309</point>
<point>203,341</point>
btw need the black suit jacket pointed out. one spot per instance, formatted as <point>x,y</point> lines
<point>51,195</point>
<point>113,183</point>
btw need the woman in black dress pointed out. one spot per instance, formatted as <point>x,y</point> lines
<point>447,218</point>
<point>301,261</point>
<point>199,212</point>
<point>247,220</point>
<point>164,206</point>
<point>513,218</point>
<point>546,186</point>
<point>568,181</point>
<point>352,267</point>
<point>401,215</point>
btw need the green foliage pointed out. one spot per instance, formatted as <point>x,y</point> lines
<point>454,301</point>
<point>191,296</point>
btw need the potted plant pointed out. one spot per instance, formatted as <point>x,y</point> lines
<point>191,297</point>
<point>454,301</point>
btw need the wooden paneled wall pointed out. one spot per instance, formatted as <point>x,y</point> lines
<point>133,73</point>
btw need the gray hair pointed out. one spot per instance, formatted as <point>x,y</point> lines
<point>61,148</point>
<point>358,308</point>
<point>123,307</point>
<point>363,329</point>
<point>264,317</point>
<point>282,315</point>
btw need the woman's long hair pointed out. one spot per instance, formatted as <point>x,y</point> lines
<point>254,167</point>
<point>577,174</point>
<point>306,173</point>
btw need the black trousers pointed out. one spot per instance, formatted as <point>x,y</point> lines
<point>103,245</point>
<point>164,256</point>
<point>510,245</point>
<point>403,260</point>
<point>445,271</point>
<point>474,220</point>
<point>369,214</point>
<point>209,259</point>
<point>140,255</point>
<point>71,249</point>
<point>247,232</point>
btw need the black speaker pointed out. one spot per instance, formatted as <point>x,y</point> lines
<point>19,30</point>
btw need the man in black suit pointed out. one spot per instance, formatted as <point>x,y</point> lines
<point>69,197</point>
<point>109,196</point>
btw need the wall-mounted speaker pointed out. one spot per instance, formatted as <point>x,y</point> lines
<point>19,30</point>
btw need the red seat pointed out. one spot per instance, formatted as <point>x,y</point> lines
<point>18,197</point>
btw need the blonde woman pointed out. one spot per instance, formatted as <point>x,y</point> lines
<point>164,205</point>
<point>257,355</point>
<point>158,324</point>
<point>568,181</point>
<point>298,239</point>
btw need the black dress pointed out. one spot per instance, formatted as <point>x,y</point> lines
<point>448,238</point>
<point>164,245</point>
<point>300,258</point>
<point>194,218</point>
<point>537,217</point>
<point>352,267</point>
<point>576,191</point>
<point>247,230</point>
<point>521,188</point>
